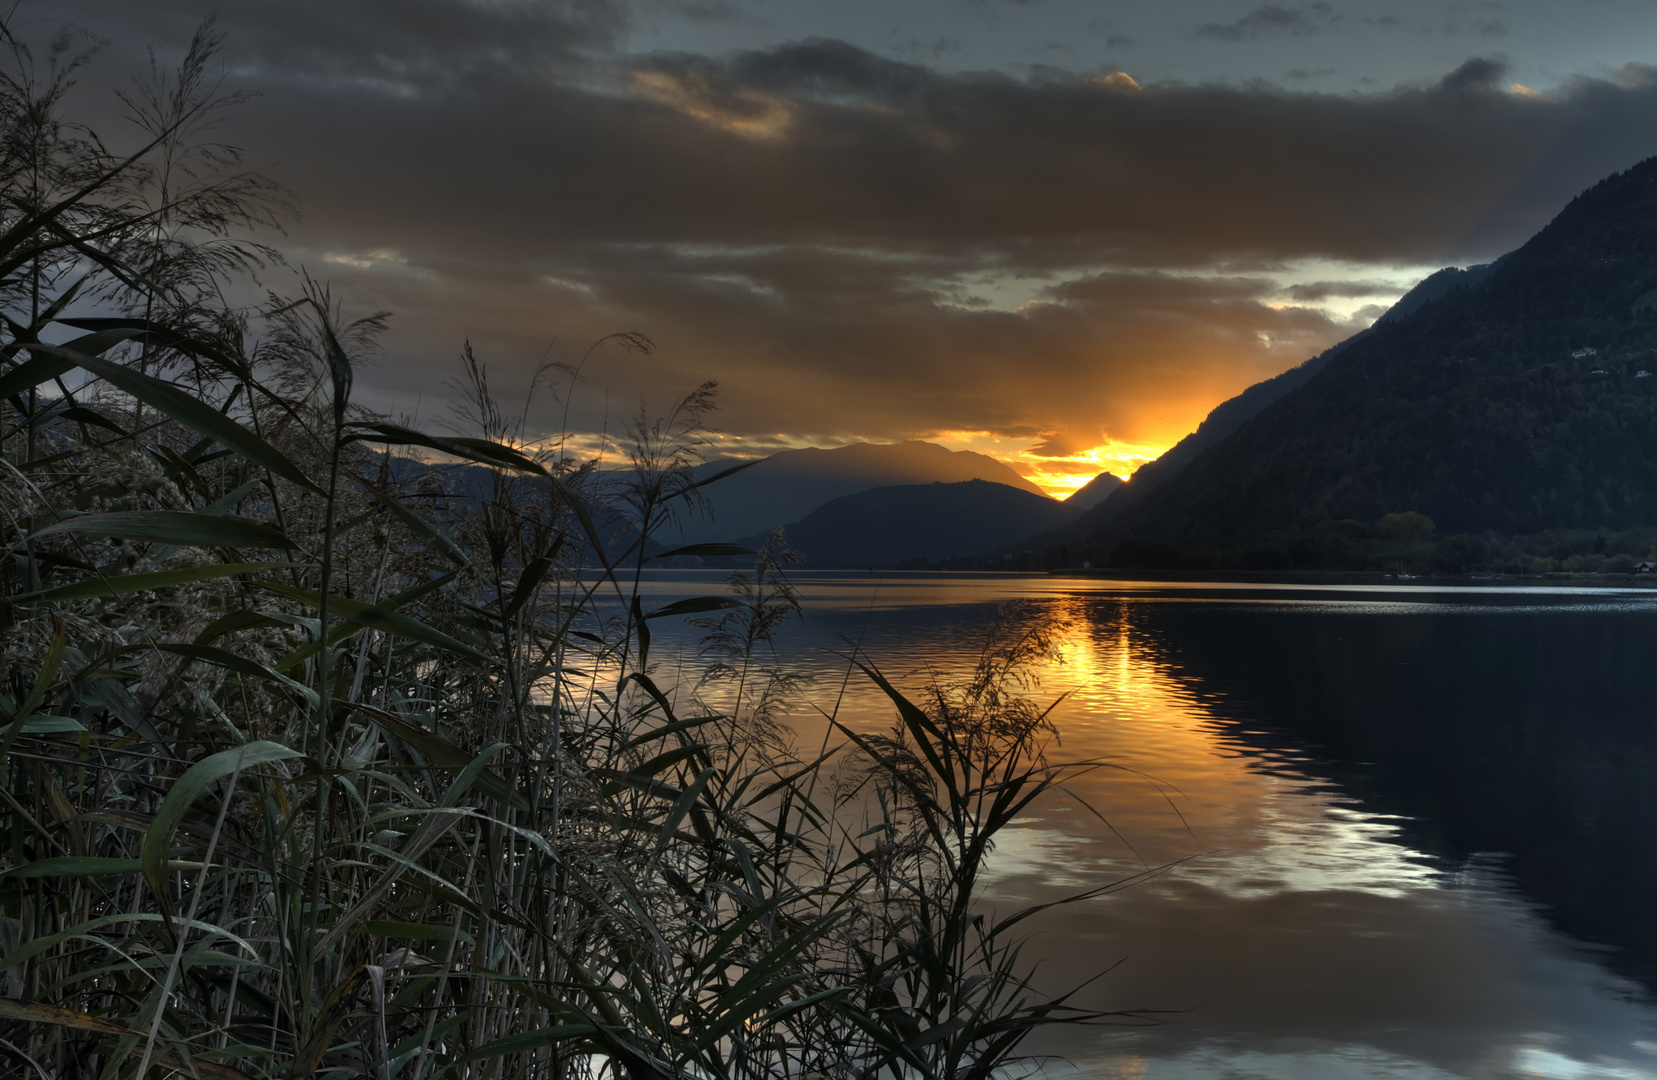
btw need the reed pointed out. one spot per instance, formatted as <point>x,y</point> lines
<point>311,769</point>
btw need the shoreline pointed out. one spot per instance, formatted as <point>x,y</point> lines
<point>1350,577</point>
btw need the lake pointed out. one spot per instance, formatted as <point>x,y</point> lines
<point>1412,827</point>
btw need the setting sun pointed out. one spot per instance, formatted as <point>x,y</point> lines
<point>1059,476</point>
<point>1063,477</point>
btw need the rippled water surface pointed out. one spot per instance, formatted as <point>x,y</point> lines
<point>1411,829</point>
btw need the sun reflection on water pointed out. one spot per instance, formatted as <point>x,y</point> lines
<point>1300,929</point>
<point>1176,789</point>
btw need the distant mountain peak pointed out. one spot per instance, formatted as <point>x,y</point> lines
<point>790,484</point>
<point>907,462</point>
<point>885,526</point>
<point>1094,492</point>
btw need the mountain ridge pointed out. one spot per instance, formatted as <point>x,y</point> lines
<point>1228,416</point>
<point>905,523</point>
<point>787,486</point>
<point>1513,406</point>
<point>1094,492</point>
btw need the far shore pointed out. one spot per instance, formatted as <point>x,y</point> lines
<point>1355,577</point>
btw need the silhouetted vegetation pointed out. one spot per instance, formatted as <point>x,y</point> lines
<point>311,770</point>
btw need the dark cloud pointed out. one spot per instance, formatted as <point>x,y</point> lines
<point>1064,444</point>
<point>1315,291</point>
<point>408,48</point>
<point>1270,20</point>
<point>855,245</point>
<point>706,10</point>
<point>1480,75</point>
<point>937,49</point>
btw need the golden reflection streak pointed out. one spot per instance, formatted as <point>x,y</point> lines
<point>1177,787</point>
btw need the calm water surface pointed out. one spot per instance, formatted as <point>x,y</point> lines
<point>1414,828</point>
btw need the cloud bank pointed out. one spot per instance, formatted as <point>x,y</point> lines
<point>858,247</point>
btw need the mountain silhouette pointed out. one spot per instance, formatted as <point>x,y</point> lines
<point>1523,402</point>
<point>789,485</point>
<point>1226,417</point>
<point>1094,492</point>
<point>908,523</point>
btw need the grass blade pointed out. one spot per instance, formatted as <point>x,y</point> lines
<point>172,527</point>
<point>200,417</point>
<point>185,791</point>
<point>375,617</point>
<point>133,583</point>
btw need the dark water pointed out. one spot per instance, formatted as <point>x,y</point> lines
<point>1415,830</point>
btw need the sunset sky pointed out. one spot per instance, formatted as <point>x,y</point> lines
<point>1055,231</point>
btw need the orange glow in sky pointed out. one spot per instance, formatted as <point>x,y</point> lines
<point>1059,477</point>
<point>1062,477</point>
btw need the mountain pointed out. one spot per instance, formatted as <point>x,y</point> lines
<point>1094,492</point>
<point>1434,285</point>
<point>1229,415</point>
<point>1522,402</point>
<point>789,485</point>
<point>912,522</point>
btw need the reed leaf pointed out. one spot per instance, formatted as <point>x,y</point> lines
<point>125,584</point>
<point>171,527</point>
<point>482,451</point>
<point>199,416</point>
<point>185,791</point>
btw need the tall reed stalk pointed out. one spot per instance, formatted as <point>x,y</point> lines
<point>312,768</point>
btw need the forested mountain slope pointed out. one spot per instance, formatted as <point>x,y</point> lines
<point>1231,414</point>
<point>1523,403</point>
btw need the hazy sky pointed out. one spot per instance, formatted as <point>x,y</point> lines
<point>1055,230</point>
